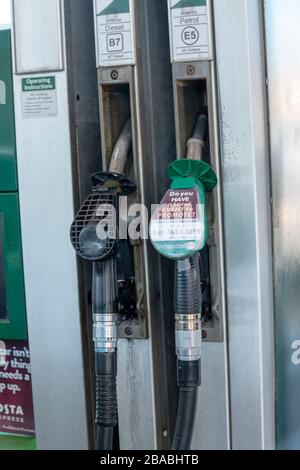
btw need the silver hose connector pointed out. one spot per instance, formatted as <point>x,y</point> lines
<point>105,332</point>
<point>188,337</point>
<point>188,303</point>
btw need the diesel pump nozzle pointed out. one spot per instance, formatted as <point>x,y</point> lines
<point>179,231</point>
<point>94,236</point>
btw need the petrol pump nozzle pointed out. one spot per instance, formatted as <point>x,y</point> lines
<point>179,230</point>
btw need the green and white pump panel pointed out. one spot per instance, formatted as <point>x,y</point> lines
<point>12,294</point>
<point>190,30</point>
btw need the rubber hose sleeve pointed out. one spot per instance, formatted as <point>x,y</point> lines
<point>189,380</point>
<point>105,437</point>
<point>106,399</point>
<point>185,418</point>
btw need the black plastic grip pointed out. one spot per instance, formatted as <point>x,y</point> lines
<point>106,389</point>
<point>106,401</point>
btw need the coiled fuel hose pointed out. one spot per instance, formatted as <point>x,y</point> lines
<point>188,301</point>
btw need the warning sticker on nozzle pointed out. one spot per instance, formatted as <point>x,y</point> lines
<point>177,227</point>
<point>189,30</point>
<point>114,28</point>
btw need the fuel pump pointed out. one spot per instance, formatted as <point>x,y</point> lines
<point>179,231</point>
<point>94,236</point>
<point>132,52</point>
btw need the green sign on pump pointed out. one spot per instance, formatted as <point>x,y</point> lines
<point>189,3</point>
<point>12,305</point>
<point>115,7</point>
<point>12,294</point>
<point>8,168</point>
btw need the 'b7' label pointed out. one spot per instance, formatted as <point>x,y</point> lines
<point>114,30</point>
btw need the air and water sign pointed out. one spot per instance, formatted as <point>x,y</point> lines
<point>190,30</point>
<point>114,27</point>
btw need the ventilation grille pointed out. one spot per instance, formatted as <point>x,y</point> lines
<point>96,208</point>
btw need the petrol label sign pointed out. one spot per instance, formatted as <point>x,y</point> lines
<point>114,26</point>
<point>190,30</point>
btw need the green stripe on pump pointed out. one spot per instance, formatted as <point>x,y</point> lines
<point>189,3</point>
<point>116,7</point>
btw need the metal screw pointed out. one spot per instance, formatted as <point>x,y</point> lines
<point>114,74</point>
<point>204,334</point>
<point>128,331</point>
<point>190,70</point>
<point>165,433</point>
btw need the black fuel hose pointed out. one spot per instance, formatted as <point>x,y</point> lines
<point>105,437</point>
<point>106,399</point>
<point>105,339</point>
<point>189,380</point>
<point>188,296</point>
<point>188,305</point>
<point>185,418</point>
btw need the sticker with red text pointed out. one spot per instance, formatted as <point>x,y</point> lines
<point>16,406</point>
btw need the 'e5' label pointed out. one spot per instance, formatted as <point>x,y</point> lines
<point>190,30</point>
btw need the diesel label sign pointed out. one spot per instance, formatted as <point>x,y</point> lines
<point>114,29</point>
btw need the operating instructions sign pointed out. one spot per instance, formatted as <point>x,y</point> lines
<point>39,97</point>
<point>114,30</point>
<point>190,30</point>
